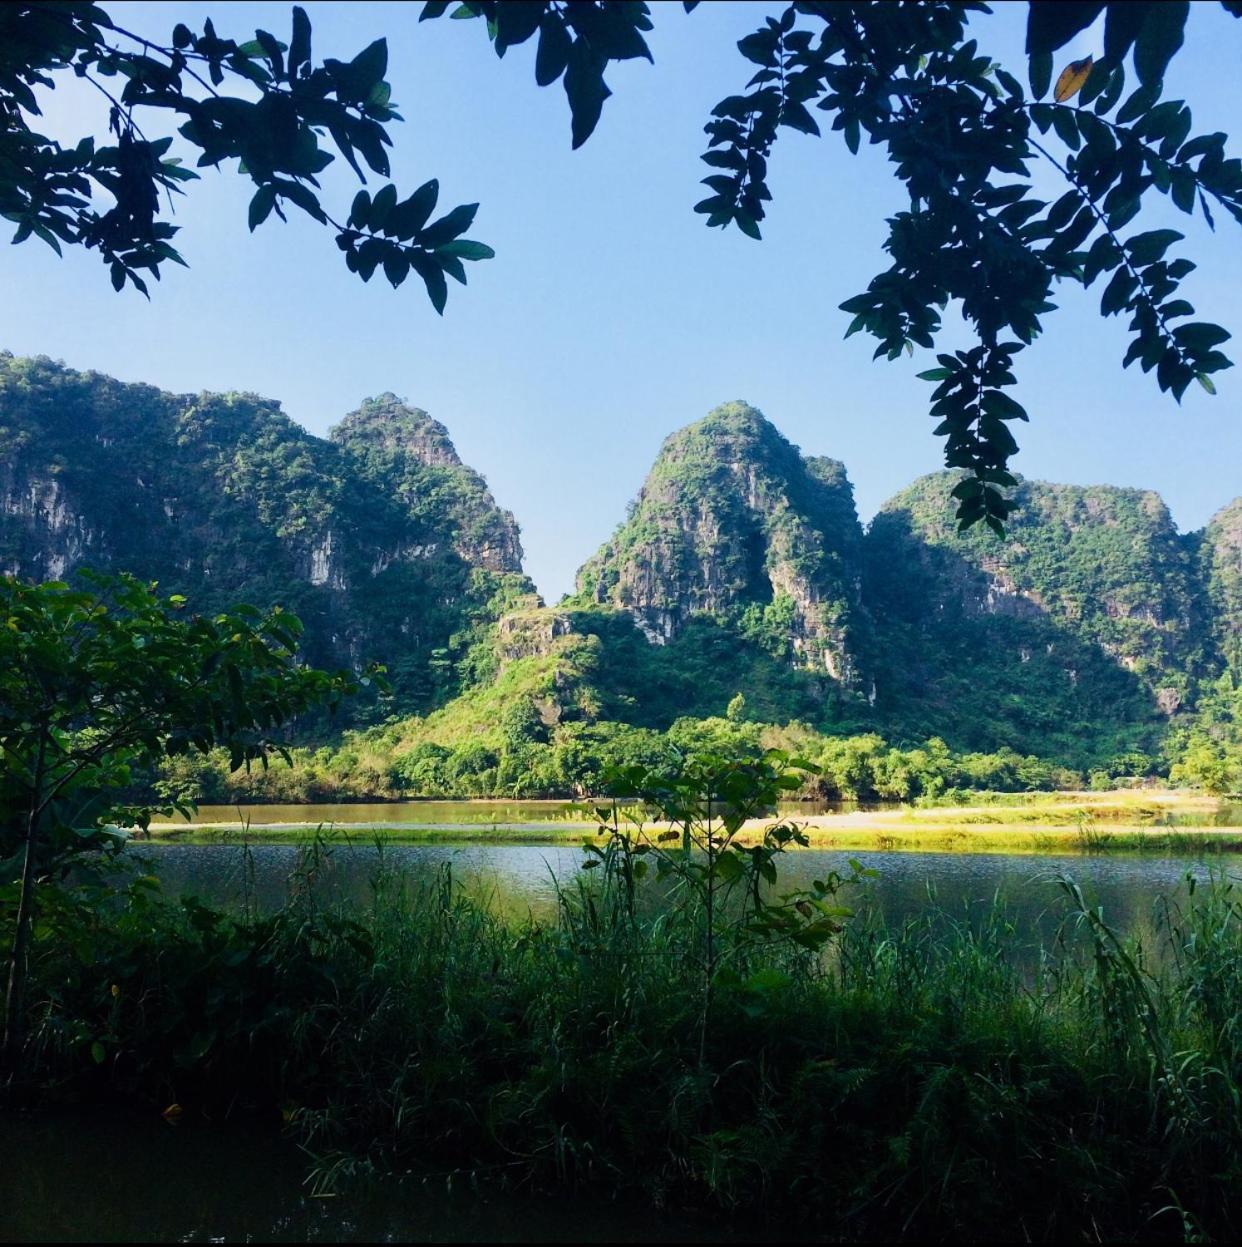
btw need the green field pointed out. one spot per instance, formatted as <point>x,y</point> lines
<point>1151,820</point>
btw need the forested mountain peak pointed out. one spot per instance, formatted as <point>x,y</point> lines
<point>734,523</point>
<point>1106,559</point>
<point>407,453</point>
<point>389,424</point>
<point>1086,621</point>
<point>381,540</point>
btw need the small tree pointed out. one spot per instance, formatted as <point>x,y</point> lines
<point>704,804</point>
<point>97,682</point>
<point>1208,764</point>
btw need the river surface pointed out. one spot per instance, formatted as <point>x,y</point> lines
<point>247,854</point>
<point>523,878</point>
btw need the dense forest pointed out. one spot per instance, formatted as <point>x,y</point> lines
<point>740,603</point>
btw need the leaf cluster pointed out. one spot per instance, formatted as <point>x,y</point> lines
<point>962,134</point>
<point>264,103</point>
<point>95,682</point>
<point>577,41</point>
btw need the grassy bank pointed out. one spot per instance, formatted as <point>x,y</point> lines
<point>1153,821</point>
<point>914,1082</point>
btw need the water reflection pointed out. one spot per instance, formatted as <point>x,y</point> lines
<point>522,878</point>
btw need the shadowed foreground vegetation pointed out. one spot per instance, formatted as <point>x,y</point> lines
<point>937,1080</point>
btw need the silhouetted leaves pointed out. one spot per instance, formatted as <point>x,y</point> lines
<point>50,192</point>
<point>961,136</point>
<point>577,41</point>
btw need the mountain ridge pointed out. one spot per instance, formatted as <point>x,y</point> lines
<point>396,553</point>
<point>741,568</point>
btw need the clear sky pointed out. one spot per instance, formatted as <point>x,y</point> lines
<point>611,316</point>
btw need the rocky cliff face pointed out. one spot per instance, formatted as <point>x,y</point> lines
<point>1106,564</point>
<point>1221,562</point>
<point>380,539</point>
<point>733,522</point>
<point>1089,616</point>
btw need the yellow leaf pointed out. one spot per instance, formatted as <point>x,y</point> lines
<point>172,1112</point>
<point>1072,80</point>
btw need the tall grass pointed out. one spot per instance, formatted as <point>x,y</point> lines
<point>936,1079</point>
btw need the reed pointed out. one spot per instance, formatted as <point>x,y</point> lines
<point>937,1079</point>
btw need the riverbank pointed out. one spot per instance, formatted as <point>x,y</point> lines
<point>935,1079</point>
<point>1131,821</point>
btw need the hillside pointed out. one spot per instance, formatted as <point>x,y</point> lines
<point>734,524</point>
<point>1082,632</point>
<point>380,539</point>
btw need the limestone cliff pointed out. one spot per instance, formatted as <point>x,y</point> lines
<point>734,523</point>
<point>1087,617</point>
<point>385,544</point>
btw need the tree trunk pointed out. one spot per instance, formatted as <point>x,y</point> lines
<point>19,956</point>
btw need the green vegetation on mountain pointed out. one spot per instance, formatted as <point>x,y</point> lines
<point>384,544</point>
<point>739,602</point>
<point>1077,637</point>
<point>732,522</point>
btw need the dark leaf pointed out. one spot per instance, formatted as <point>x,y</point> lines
<point>552,56</point>
<point>433,278</point>
<point>1040,74</point>
<point>585,89</point>
<point>1146,248</point>
<point>1159,38</point>
<point>300,44</point>
<point>466,249</point>
<point>261,205</point>
<point>448,227</point>
<point>1051,24</point>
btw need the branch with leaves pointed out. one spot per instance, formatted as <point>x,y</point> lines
<point>263,103</point>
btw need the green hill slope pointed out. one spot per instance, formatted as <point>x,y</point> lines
<point>380,539</point>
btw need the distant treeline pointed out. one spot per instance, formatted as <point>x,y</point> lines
<point>523,757</point>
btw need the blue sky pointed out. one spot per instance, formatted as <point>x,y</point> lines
<point>611,316</point>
